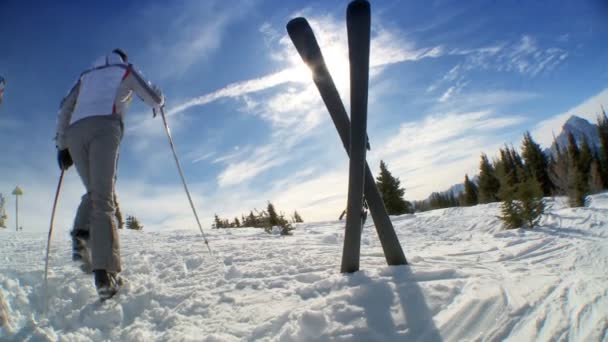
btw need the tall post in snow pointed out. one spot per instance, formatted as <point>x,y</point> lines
<point>17,192</point>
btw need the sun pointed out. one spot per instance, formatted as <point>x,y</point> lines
<point>336,59</point>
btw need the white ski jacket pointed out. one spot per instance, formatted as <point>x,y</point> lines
<point>105,89</point>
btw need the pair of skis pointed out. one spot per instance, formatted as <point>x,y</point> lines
<point>352,133</point>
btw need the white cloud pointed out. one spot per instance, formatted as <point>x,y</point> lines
<point>435,152</point>
<point>262,159</point>
<point>194,32</point>
<point>319,197</point>
<point>203,157</point>
<point>588,109</point>
<point>524,56</point>
<point>296,109</point>
<point>237,89</point>
<point>447,94</point>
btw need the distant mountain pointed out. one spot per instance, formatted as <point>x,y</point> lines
<point>455,189</point>
<point>580,128</point>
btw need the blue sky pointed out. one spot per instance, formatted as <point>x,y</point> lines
<point>449,80</point>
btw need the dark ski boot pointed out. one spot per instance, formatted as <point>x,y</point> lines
<point>107,284</point>
<point>80,250</point>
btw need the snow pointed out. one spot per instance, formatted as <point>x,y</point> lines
<point>469,280</point>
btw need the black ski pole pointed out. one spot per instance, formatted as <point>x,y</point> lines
<point>181,174</point>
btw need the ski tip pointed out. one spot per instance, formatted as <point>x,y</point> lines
<point>358,6</point>
<point>297,24</point>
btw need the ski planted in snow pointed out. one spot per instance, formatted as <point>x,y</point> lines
<point>306,44</point>
<point>358,21</point>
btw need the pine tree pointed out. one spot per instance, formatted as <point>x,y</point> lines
<point>392,192</point>
<point>273,218</point>
<point>595,178</point>
<point>236,223</point>
<point>488,184</point>
<point>217,222</point>
<point>577,188</point>
<point>439,200</point>
<point>561,170</point>
<point>510,169</point>
<point>530,195</point>
<point>523,204</point>
<point>286,227</point>
<point>250,221</point>
<point>469,197</point>
<point>585,159</point>
<point>297,218</point>
<point>602,127</point>
<point>536,163</point>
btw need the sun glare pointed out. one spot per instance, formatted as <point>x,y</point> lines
<point>336,59</point>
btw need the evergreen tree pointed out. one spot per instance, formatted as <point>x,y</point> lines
<point>217,222</point>
<point>236,223</point>
<point>602,127</point>
<point>509,169</point>
<point>469,197</point>
<point>439,200</point>
<point>392,192</point>
<point>561,170</point>
<point>488,184</point>
<point>133,223</point>
<point>297,218</point>
<point>250,221</point>
<point>536,163</point>
<point>520,191</point>
<point>585,159</point>
<point>523,203</point>
<point>273,218</point>
<point>577,188</point>
<point>286,227</point>
<point>595,178</point>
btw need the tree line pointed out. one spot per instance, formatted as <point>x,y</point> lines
<point>520,181</point>
<point>266,219</point>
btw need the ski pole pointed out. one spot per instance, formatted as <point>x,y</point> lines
<point>181,173</point>
<point>48,242</point>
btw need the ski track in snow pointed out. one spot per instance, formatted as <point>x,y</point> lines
<point>469,280</point>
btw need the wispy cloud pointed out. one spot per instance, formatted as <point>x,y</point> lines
<point>473,101</point>
<point>435,152</point>
<point>295,108</point>
<point>237,89</point>
<point>262,159</point>
<point>524,56</point>
<point>191,35</point>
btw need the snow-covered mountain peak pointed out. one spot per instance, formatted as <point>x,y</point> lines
<point>580,128</point>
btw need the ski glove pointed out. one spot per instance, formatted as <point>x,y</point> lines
<point>64,159</point>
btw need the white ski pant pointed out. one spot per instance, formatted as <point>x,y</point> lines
<point>93,143</point>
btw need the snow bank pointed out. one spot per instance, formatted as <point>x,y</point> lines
<point>468,280</point>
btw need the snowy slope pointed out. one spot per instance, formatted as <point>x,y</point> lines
<point>468,280</point>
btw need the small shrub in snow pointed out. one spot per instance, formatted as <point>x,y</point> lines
<point>133,223</point>
<point>267,219</point>
<point>523,204</point>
